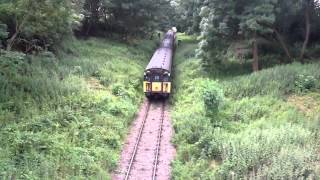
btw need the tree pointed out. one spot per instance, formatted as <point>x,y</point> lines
<point>189,14</point>
<point>257,11</point>
<point>236,20</point>
<point>307,6</point>
<point>36,24</point>
<point>225,22</point>
<point>129,18</point>
<point>94,15</point>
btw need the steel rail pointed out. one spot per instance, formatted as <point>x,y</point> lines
<point>155,166</point>
<point>137,142</point>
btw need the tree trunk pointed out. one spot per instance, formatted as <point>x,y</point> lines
<point>279,37</point>
<point>283,45</point>
<point>255,63</point>
<point>14,36</point>
<point>89,21</point>
<point>307,35</point>
<point>11,40</point>
<point>16,33</point>
<point>88,30</point>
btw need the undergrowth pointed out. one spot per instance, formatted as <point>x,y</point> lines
<point>244,126</point>
<point>66,117</point>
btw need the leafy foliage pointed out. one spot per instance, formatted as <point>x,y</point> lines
<point>257,133</point>
<point>58,120</point>
<point>188,15</point>
<point>135,18</point>
<point>3,33</point>
<point>305,83</point>
<point>212,97</point>
<point>36,24</point>
<point>44,25</point>
<point>255,25</point>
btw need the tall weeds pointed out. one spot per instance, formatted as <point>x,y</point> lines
<point>252,132</point>
<point>60,118</point>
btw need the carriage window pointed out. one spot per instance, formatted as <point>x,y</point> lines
<point>157,78</point>
<point>165,78</point>
<point>146,78</point>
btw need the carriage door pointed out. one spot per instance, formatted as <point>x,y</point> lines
<point>147,83</point>
<point>166,84</point>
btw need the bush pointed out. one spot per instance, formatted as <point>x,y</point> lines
<point>305,83</point>
<point>3,33</point>
<point>118,90</point>
<point>212,97</point>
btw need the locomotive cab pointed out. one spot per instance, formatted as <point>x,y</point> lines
<point>157,82</point>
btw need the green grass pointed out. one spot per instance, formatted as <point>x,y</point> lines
<point>67,117</point>
<point>261,126</point>
<point>278,81</point>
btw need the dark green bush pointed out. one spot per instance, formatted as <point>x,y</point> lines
<point>305,83</point>
<point>212,97</point>
<point>118,90</point>
<point>12,63</point>
<point>3,33</point>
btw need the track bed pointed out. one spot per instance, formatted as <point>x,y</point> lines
<point>148,151</point>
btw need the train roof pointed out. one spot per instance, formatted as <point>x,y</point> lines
<point>161,59</point>
<point>167,43</point>
<point>169,34</point>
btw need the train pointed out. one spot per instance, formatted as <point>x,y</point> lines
<point>157,75</point>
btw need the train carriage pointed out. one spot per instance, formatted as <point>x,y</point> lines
<point>157,75</point>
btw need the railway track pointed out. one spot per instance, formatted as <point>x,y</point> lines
<point>147,143</point>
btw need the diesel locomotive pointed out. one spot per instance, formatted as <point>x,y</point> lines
<point>157,75</point>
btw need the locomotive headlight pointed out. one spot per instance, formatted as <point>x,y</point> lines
<point>167,73</point>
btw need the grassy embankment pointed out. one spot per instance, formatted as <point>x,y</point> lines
<point>260,125</point>
<point>65,118</point>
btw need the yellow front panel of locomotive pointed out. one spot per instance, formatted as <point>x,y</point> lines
<point>146,86</point>
<point>166,87</point>
<point>156,87</point>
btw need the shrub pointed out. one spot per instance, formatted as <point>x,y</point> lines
<point>118,90</point>
<point>12,63</point>
<point>305,83</point>
<point>3,33</point>
<point>212,97</point>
